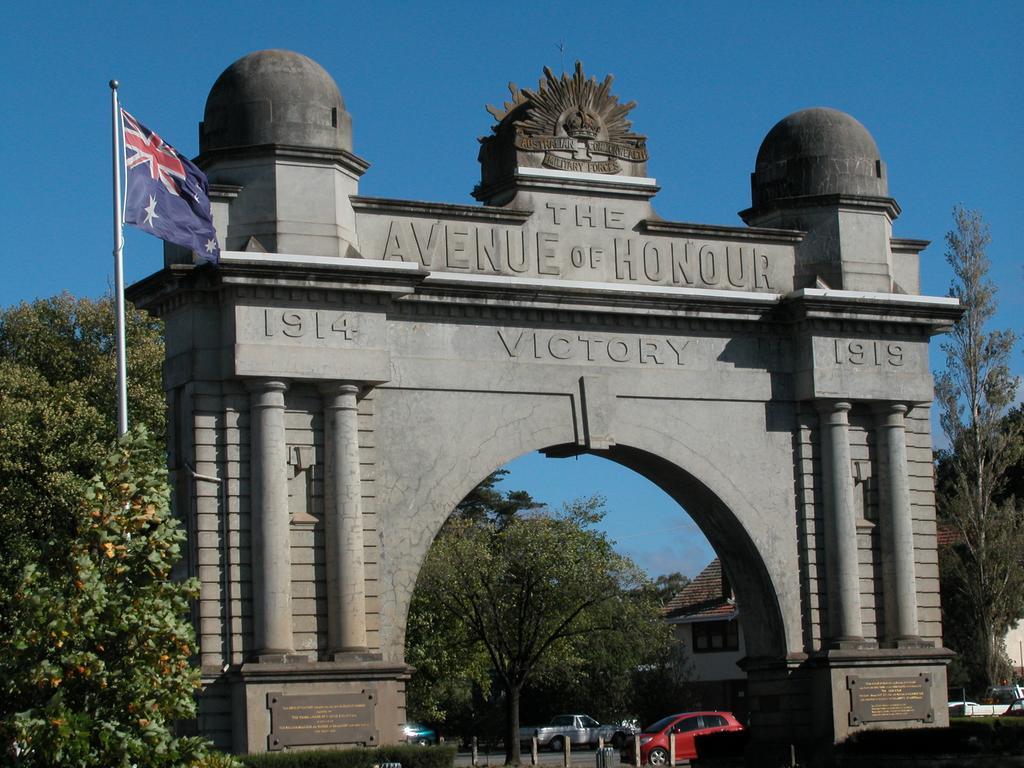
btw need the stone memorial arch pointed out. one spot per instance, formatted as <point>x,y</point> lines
<point>355,365</point>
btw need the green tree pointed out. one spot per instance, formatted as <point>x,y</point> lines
<point>534,591</point>
<point>669,585</point>
<point>58,413</point>
<point>452,682</point>
<point>95,646</point>
<point>488,502</point>
<point>983,568</point>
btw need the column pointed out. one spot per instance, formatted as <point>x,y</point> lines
<point>343,521</point>
<point>899,579</point>
<point>268,510</point>
<point>840,525</point>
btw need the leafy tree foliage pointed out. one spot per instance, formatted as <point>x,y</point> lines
<point>488,502</point>
<point>982,571</point>
<point>669,585</point>
<point>95,646</point>
<point>58,413</point>
<point>452,683</point>
<point>70,343</point>
<point>539,594</point>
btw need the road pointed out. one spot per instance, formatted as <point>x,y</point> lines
<point>581,758</point>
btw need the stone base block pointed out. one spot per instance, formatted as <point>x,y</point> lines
<point>807,704</point>
<point>297,705</point>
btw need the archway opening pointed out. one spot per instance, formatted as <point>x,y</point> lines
<point>646,506</point>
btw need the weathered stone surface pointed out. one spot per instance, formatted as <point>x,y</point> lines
<point>356,365</point>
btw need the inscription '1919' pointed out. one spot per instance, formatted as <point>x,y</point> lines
<point>864,353</point>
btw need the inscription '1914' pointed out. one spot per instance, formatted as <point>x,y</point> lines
<point>615,350</point>
<point>312,324</point>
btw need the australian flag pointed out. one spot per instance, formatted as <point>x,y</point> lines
<point>166,194</point>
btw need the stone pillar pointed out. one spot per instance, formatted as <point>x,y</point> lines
<point>268,510</point>
<point>343,522</point>
<point>840,526</point>
<point>899,579</point>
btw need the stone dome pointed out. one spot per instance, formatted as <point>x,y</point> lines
<point>817,151</point>
<point>275,97</point>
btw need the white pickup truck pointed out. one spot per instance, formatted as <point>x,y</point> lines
<point>578,730</point>
<point>996,701</point>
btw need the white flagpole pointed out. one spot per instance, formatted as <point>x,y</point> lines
<point>122,367</point>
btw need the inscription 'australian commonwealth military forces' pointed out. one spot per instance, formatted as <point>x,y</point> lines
<point>578,125</point>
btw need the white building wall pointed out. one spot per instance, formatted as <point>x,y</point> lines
<point>713,665</point>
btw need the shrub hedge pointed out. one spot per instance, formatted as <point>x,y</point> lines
<point>722,744</point>
<point>408,755</point>
<point>965,736</point>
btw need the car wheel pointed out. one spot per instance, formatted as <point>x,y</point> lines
<point>658,756</point>
<point>618,740</point>
<point>557,744</point>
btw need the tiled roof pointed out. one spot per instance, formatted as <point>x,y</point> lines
<point>706,597</point>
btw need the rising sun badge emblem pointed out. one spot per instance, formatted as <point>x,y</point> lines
<point>575,122</point>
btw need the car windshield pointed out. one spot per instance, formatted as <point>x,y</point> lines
<point>660,725</point>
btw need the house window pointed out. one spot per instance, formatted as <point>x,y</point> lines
<point>714,636</point>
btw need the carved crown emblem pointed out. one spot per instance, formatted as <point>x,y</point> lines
<point>581,125</point>
<point>574,122</point>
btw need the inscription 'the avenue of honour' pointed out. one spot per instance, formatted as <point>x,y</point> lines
<point>580,242</point>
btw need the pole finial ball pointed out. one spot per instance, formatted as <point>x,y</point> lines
<point>113,85</point>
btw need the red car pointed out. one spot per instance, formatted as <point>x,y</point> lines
<point>686,725</point>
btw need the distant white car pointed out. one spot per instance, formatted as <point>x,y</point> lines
<point>961,708</point>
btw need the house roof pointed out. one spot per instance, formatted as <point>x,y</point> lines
<point>708,597</point>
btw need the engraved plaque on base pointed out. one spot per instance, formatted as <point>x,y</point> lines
<point>338,718</point>
<point>874,699</point>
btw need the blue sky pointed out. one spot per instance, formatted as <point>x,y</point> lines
<point>937,84</point>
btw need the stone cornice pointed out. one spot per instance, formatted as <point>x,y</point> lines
<point>393,207</point>
<point>908,245</point>
<point>224,191</point>
<point>578,296</point>
<point>714,232</point>
<point>319,671</point>
<point>937,312</point>
<point>617,186</point>
<point>885,205</point>
<point>410,283</point>
<point>341,157</point>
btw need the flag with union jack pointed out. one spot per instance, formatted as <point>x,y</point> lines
<point>165,193</point>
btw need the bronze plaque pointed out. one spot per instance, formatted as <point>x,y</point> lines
<point>900,698</point>
<point>333,718</point>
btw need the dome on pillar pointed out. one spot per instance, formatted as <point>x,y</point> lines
<point>814,152</point>
<point>275,97</point>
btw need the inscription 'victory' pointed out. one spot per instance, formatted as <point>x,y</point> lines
<point>595,348</point>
